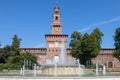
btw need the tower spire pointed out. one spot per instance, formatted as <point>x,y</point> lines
<point>56,2</point>
<point>56,23</point>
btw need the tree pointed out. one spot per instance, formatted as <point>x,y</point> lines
<point>2,57</point>
<point>0,43</point>
<point>12,58</point>
<point>87,46</point>
<point>5,53</point>
<point>98,37</point>
<point>75,44</point>
<point>10,50</point>
<point>28,60</point>
<point>28,56</point>
<point>19,60</point>
<point>117,44</point>
<point>16,45</point>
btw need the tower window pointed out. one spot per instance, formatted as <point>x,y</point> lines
<point>56,25</point>
<point>56,12</point>
<point>53,50</point>
<point>56,18</point>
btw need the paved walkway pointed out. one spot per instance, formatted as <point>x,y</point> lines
<point>59,78</point>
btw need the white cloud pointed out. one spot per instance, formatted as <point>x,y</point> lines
<point>41,45</point>
<point>100,23</point>
<point>84,29</point>
<point>108,21</point>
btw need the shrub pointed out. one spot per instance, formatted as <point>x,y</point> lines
<point>93,66</point>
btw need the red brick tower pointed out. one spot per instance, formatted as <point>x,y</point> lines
<point>54,40</point>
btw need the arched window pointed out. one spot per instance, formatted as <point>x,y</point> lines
<point>110,65</point>
<point>56,12</point>
<point>56,18</point>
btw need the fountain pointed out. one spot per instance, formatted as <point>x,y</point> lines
<point>56,69</point>
<point>58,66</point>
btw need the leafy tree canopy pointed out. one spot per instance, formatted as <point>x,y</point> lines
<point>117,43</point>
<point>11,54</point>
<point>16,45</point>
<point>87,46</point>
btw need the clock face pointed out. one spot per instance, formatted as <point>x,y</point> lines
<point>56,29</point>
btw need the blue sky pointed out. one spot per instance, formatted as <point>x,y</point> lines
<point>31,19</point>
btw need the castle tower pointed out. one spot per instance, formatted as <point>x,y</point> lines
<point>55,39</point>
<point>56,23</point>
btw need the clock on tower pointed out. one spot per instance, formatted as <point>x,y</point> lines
<point>56,29</point>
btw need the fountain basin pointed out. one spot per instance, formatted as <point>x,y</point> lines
<point>65,69</point>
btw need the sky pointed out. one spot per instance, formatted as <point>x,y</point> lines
<point>31,19</point>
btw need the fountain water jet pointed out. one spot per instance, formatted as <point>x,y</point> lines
<point>55,69</point>
<point>80,70</point>
<point>55,62</point>
<point>104,70</point>
<point>62,53</point>
<point>23,71</point>
<point>97,69</point>
<point>35,69</point>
